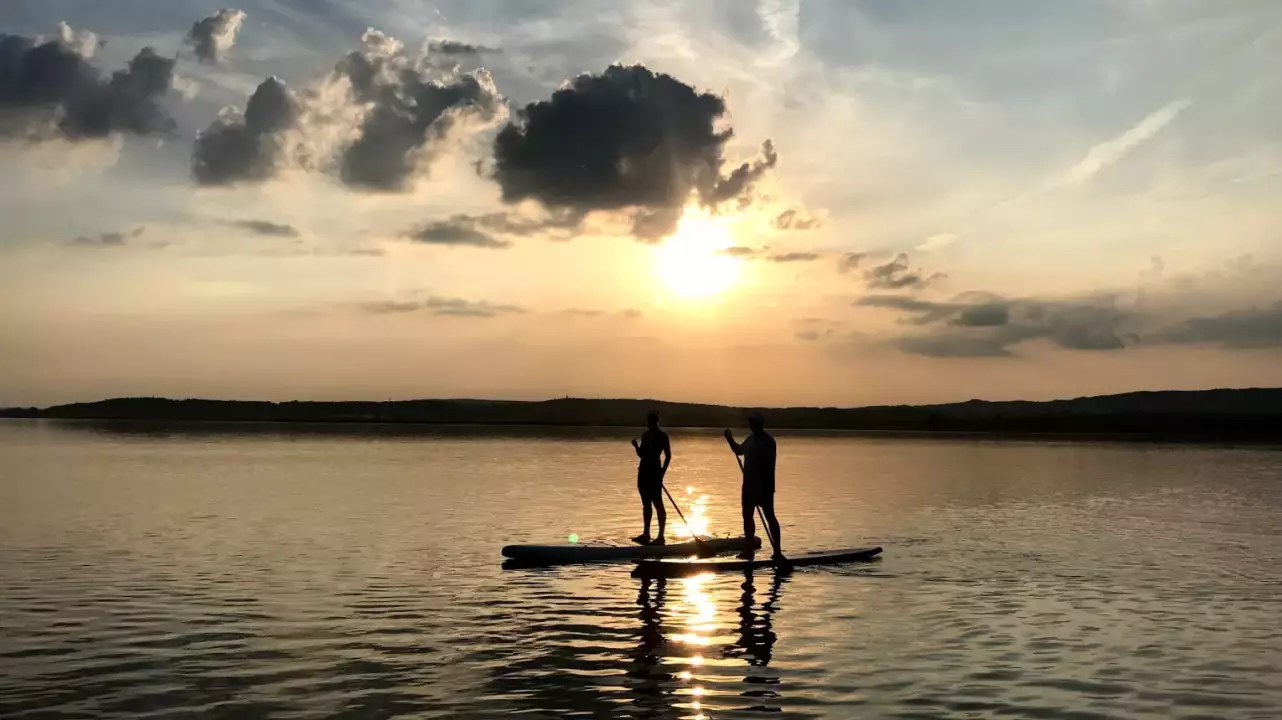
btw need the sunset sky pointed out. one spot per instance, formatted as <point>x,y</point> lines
<point>771,202</point>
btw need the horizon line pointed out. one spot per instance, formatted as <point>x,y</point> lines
<point>639,400</point>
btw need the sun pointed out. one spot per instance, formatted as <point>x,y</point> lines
<point>691,263</point>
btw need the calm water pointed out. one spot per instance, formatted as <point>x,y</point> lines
<point>249,572</point>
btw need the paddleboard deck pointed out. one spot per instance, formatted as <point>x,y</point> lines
<point>574,553</point>
<point>677,567</point>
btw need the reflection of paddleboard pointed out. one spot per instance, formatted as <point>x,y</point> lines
<point>685,566</point>
<point>587,553</point>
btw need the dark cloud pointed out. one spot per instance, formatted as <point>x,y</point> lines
<point>50,89</point>
<point>408,114</point>
<point>739,251</point>
<point>920,312</point>
<point>1242,329</point>
<point>455,47</point>
<point>264,227</point>
<point>984,325</point>
<point>454,307</point>
<point>792,219</point>
<point>406,111</point>
<point>213,36</point>
<point>743,177</point>
<point>850,261</point>
<point>627,139</point>
<point>248,147</point>
<point>988,315</point>
<point>459,230</point>
<point>794,257</point>
<point>484,230</point>
<point>108,239</point>
<point>111,239</point>
<point>897,274</point>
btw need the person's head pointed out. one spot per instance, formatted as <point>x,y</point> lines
<point>755,422</point>
<point>652,419</point>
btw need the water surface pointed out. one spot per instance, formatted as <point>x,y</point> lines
<point>268,571</point>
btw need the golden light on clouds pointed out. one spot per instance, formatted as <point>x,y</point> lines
<point>690,264</point>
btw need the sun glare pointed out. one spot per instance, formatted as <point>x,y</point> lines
<point>691,263</point>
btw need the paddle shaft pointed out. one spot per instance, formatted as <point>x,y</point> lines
<point>680,514</point>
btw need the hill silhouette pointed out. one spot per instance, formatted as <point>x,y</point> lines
<point>1255,412</point>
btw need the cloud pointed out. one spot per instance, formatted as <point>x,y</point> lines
<point>459,230</point>
<point>246,147</point>
<point>1109,152</point>
<point>264,227</point>
<point>108,239</point>
<point>850,261</point>
<point>455,47</point>
<point>896,274</point>
<point>738,251</point>
<point>986,325</point>
<point>452,307</point>
<point>213,36</point>
<point>794,257</point>
<point>483,230</point>
<point>377,120</point>
<point>49,90</point>
<point>628,314</point>
<point>627,139</point>
<point>792,219</point>
<point>937,242</point>
<point>1243,329</point>
<point>408,113</point>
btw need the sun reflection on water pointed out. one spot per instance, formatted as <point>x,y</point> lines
<point>698,614</point>
<point>696,517</point>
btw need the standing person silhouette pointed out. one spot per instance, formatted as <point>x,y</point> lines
<point>652,444</point>
<point>758,451</point>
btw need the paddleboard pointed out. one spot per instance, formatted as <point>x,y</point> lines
<point>571,553</point>
<point>689,566</point>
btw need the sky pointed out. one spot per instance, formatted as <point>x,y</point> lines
<point>759,203</point>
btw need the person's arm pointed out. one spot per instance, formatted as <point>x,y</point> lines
<point>667,452</point>
<point>636,446</point>
<point>736,447</point>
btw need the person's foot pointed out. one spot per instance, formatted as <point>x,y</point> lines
<point>778,557</point>
<point>642,539</point>
<point>659,541</point>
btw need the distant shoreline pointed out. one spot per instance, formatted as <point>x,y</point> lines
<point>1234,414</point>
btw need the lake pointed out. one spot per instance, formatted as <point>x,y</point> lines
<point>244,571</point>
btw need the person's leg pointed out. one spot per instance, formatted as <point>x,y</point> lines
<point>645,508</point>
<point>749,525</point>
<point>767,502</point>
<point>660,512</point>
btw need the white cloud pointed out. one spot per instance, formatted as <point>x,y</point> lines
<point>1110,151</point>
<point>937,242</point>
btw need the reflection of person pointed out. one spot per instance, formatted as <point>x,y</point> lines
<point>756,634</point>
<point>758,452</point>
<point>646,676</point>
<point>653,443</point>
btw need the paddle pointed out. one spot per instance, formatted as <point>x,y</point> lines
<point>764,525</point>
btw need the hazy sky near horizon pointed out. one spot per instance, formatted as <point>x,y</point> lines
<point>918,202</point>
